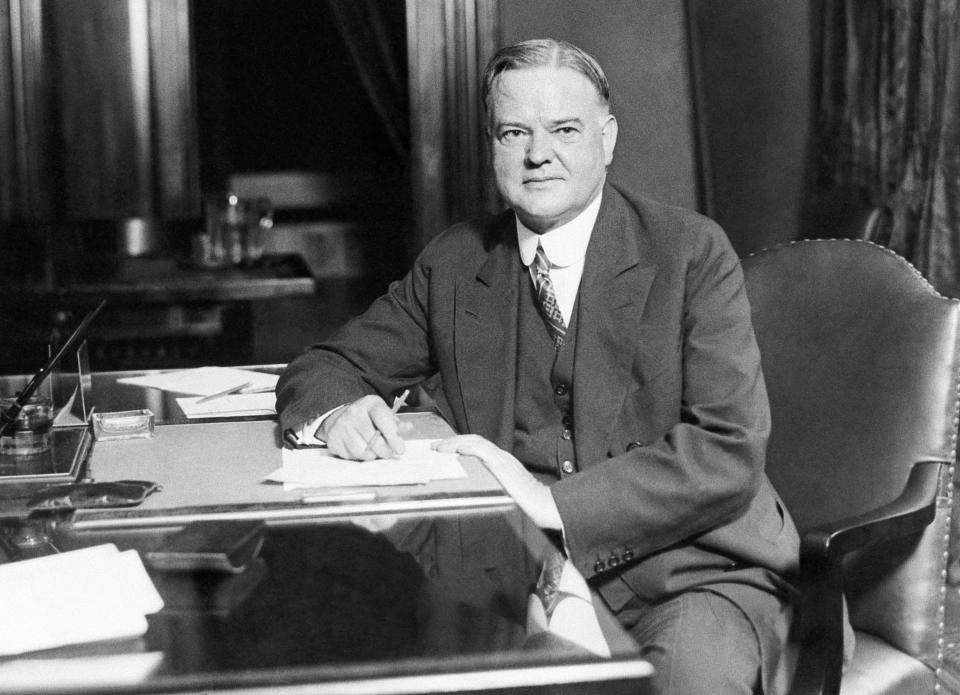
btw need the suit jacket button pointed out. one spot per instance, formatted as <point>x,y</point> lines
<point>598,566</point>
<point>613,560</point>
<point>567,466</point>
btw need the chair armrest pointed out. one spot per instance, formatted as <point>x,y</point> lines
<point>822,608</point>
<point>910,512</point>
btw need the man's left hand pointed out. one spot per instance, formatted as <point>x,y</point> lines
<point>533,497</point>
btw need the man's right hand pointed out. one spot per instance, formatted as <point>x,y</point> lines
<point>364,430</point>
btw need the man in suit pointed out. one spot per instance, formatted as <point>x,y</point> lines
<point>596,350</point>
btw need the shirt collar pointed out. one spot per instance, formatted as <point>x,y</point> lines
<point>565,245</point>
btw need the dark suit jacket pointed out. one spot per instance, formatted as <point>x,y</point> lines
<point>670,409</point>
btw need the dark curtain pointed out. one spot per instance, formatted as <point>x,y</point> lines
<point>889,123</point>
<point>378,51</point>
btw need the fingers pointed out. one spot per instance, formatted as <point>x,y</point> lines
<point>468,444</point>
<point>532,496</point>
<point>364,430</point>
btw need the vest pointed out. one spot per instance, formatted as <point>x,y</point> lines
<point>543,420</point>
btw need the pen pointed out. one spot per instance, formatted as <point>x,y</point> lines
<point>398,403</point>
<point>9,416</point>
<point>225,392</point>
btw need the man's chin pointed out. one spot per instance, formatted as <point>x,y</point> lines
<point>539,210</point>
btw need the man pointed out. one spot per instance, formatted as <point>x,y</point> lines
<point>596,347</point>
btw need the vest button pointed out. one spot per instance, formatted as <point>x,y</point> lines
<point>567,466</point>
<point>598,566</point>
<point>566,434</point>
<point>561,389</point>
<point>567,421</point>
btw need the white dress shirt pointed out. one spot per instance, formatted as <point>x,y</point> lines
<point>566,249</point>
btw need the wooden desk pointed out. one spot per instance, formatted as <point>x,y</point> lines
<point>362,605</point>
<point>422,591</point>
<point>217,470</point>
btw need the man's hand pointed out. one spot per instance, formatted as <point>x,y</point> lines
<point>533,497</point>
<point>364,430</point>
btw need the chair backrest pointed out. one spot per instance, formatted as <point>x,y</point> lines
<point>860,357</point>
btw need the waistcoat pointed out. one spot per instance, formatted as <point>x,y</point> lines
<point>543,420</point>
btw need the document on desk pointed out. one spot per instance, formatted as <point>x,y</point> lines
<point>86,595</point>
<point>317,468</point>
<point>234,405</point>
<point>205,381</point>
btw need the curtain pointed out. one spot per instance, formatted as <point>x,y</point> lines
<point>380,61</point>
<point>889,123</point>
<point>448,44</point>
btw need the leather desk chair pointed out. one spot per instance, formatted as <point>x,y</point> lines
<point>860,357</point>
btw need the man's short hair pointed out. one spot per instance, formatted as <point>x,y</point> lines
<point>537,53</point>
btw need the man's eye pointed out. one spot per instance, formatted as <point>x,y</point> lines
<point>567,132</point>
<point>511,135</point>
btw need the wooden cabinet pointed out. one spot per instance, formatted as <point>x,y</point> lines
<point>97,110</point>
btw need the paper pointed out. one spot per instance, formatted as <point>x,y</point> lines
<point>233,405</point>
<point>317,468</point>
<point>204,381</point>
<point>71,673</point>
<point>86,595</point>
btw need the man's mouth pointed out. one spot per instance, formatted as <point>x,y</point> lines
<point>541,179</point>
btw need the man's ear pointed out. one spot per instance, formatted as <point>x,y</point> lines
<point>609,135</point>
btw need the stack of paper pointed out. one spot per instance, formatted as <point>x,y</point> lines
<point>87,595</point>
<point>246,392</point>
<point>205,381</point>
<point>315,467</point>
<point>234,405</point>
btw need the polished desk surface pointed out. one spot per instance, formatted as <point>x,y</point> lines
<point>379,599</point>
<point>375,603</point>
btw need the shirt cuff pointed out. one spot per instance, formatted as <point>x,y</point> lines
<point>306,434</point>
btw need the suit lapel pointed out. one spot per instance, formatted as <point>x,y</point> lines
<point>485,338</point>
<point>616,280</point>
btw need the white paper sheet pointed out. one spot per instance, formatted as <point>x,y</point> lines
<point>204,381</point>
<point>303,468</point>
<point>233,405</point>
<point>79,596</point>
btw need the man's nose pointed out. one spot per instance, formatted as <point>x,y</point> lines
<point>539,149</point>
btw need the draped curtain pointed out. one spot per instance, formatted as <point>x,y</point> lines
<point>889,123</point>
<point>379,58</point>
<point>448,44</point>
<point>426,95</point>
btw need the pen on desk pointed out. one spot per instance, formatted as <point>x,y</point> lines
<point>398,403</point>
<point>225,392</point>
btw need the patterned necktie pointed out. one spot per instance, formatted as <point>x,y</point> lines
<point>548,298</point>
